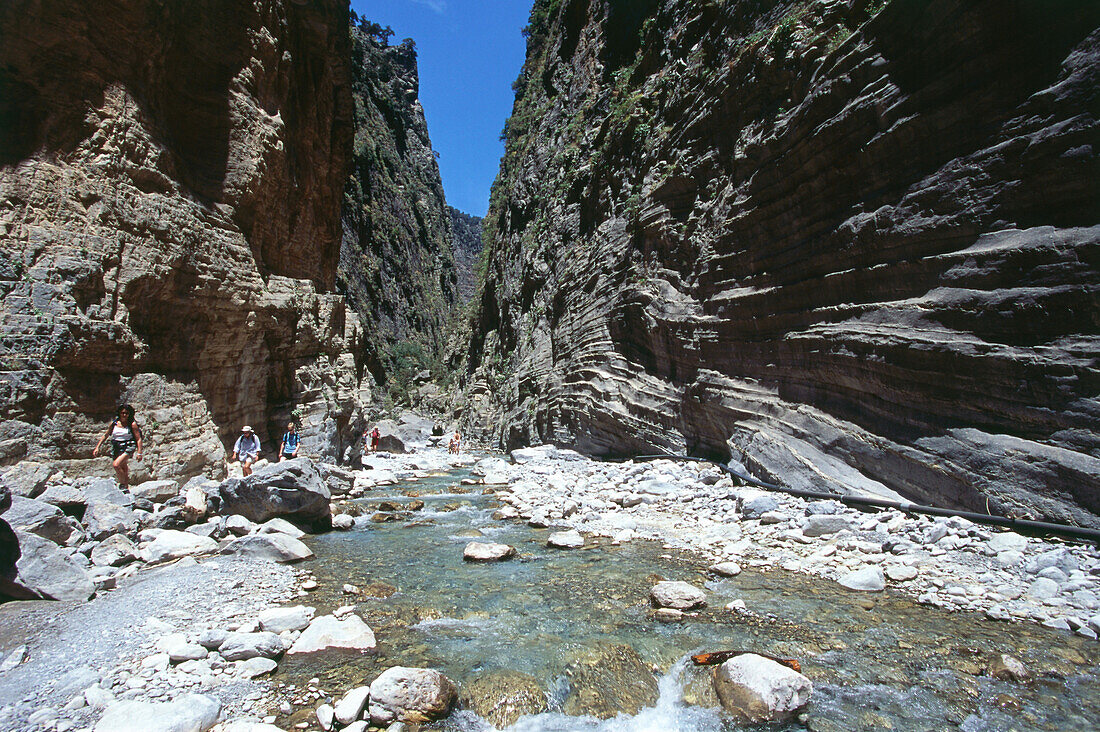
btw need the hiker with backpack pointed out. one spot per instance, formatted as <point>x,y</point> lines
<point>246,449</point>
<point>288,450</point>
<point>125,436</point>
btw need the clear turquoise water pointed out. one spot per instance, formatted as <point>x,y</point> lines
<point>877,661</point>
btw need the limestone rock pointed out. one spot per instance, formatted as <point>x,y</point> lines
<point>351,705</point>
<point>274,547</point>
<point>570,539</point>
<point>115,551</point>
<point>868,579</point>
<point>157,491</point>
<point>754,689</point>
<point>43,568</point>
<point>857,343</point>
<point>242,646</point>
<point>607,680</point>
<point>171,544</point>
<point>477,551</point>
<point>327,631</point>
<point>292,489</point>
<point>280,619</point>
<point>44,519</point>
<point>677,595</point>
<point>502,697</point>
<point>194,276</point>
<point>415,695</point>
<point>188,713</point>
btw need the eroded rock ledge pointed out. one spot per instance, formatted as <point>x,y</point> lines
<point>170,187</point>
<point>852,245</point>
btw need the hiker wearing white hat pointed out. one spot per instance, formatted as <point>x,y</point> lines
<point>246,449</point>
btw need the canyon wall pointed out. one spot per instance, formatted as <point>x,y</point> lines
<point>170,186</point>
<point>851,245</point>
<point>397,263</point>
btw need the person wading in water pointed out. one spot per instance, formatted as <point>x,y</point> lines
<point>125,436</point>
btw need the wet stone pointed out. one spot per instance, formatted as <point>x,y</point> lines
<point>502,697</point>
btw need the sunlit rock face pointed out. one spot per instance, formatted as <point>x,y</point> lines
<point>171,177</point>
<point>852,245</point>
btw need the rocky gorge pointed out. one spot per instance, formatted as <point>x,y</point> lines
<point>850,245</point>
<point>846,247</point>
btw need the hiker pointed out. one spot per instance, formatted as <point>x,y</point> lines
<point>374,436</point>
<point>454,444</point>
<point>289,449</point>
<point>246,449</point>
<point>125,436</point>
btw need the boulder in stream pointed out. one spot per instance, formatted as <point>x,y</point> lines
<point>677,595</point>
<point>477,551</point>
<point>570,539</point>
<point>292,489</point>
<point>414,695</point>
<point>502,697</point>
<point>609,679</point>
<point>272,547</point>
<point>754,689</point>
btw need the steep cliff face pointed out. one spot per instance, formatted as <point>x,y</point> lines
<point>853,245</point>
<point>467,249</point>
<point>170,183</point>
<point>396,258</point>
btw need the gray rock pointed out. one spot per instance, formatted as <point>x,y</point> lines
<point>1055,574</point>
<point>822,524</point>
<point>242,646</point>
<point>868,579</point>
<point>171,544</point>
<point>726,569</point>
<point>282,619</point>
<point>815,508</point>
<point>754,689</point>
<point>1006,541</point>
<point>115,551</point>
<point>343,522</point>
<point>677,595</point>
<point>280,526</point>
<point>68,498</point>
<point>325,716</point>
<point>157,491</point>
<point>44,519</point>
<point>274,547</point>
<point>103,490</point>
<point>239,525</point>
<point>755,504</point>
<point>570,539</point>
<point>329,632</point>
<point>901,572</point>
<point>45,569</point>
<point>250,668</point>
<point>410,695</point>
<point>351,705</point>
<point>211,639</point>
<point>1043,588</point>
<point>104,518</point>
<point>188,713</point>
<point>935,533</point>
<point>291,489</point>
<point>27,479</point>
<point>477,551</point>
<point>1060,558</point>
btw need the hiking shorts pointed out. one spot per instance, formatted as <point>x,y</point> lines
<point>122,446</point>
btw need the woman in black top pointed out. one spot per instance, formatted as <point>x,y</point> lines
<point>125,437</point>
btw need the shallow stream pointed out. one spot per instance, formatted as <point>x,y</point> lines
<point>579,622</point>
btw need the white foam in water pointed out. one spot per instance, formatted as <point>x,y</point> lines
<point>669,714</point>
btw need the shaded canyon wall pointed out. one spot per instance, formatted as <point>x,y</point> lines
<point>852,245</point>
<point>170,187</point>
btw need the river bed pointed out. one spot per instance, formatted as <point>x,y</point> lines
<point>579,622</point>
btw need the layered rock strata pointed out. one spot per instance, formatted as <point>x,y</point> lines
<point>851,245</point>
<point>170,185</point>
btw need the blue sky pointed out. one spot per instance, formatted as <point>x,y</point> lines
<point>469,53</point>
